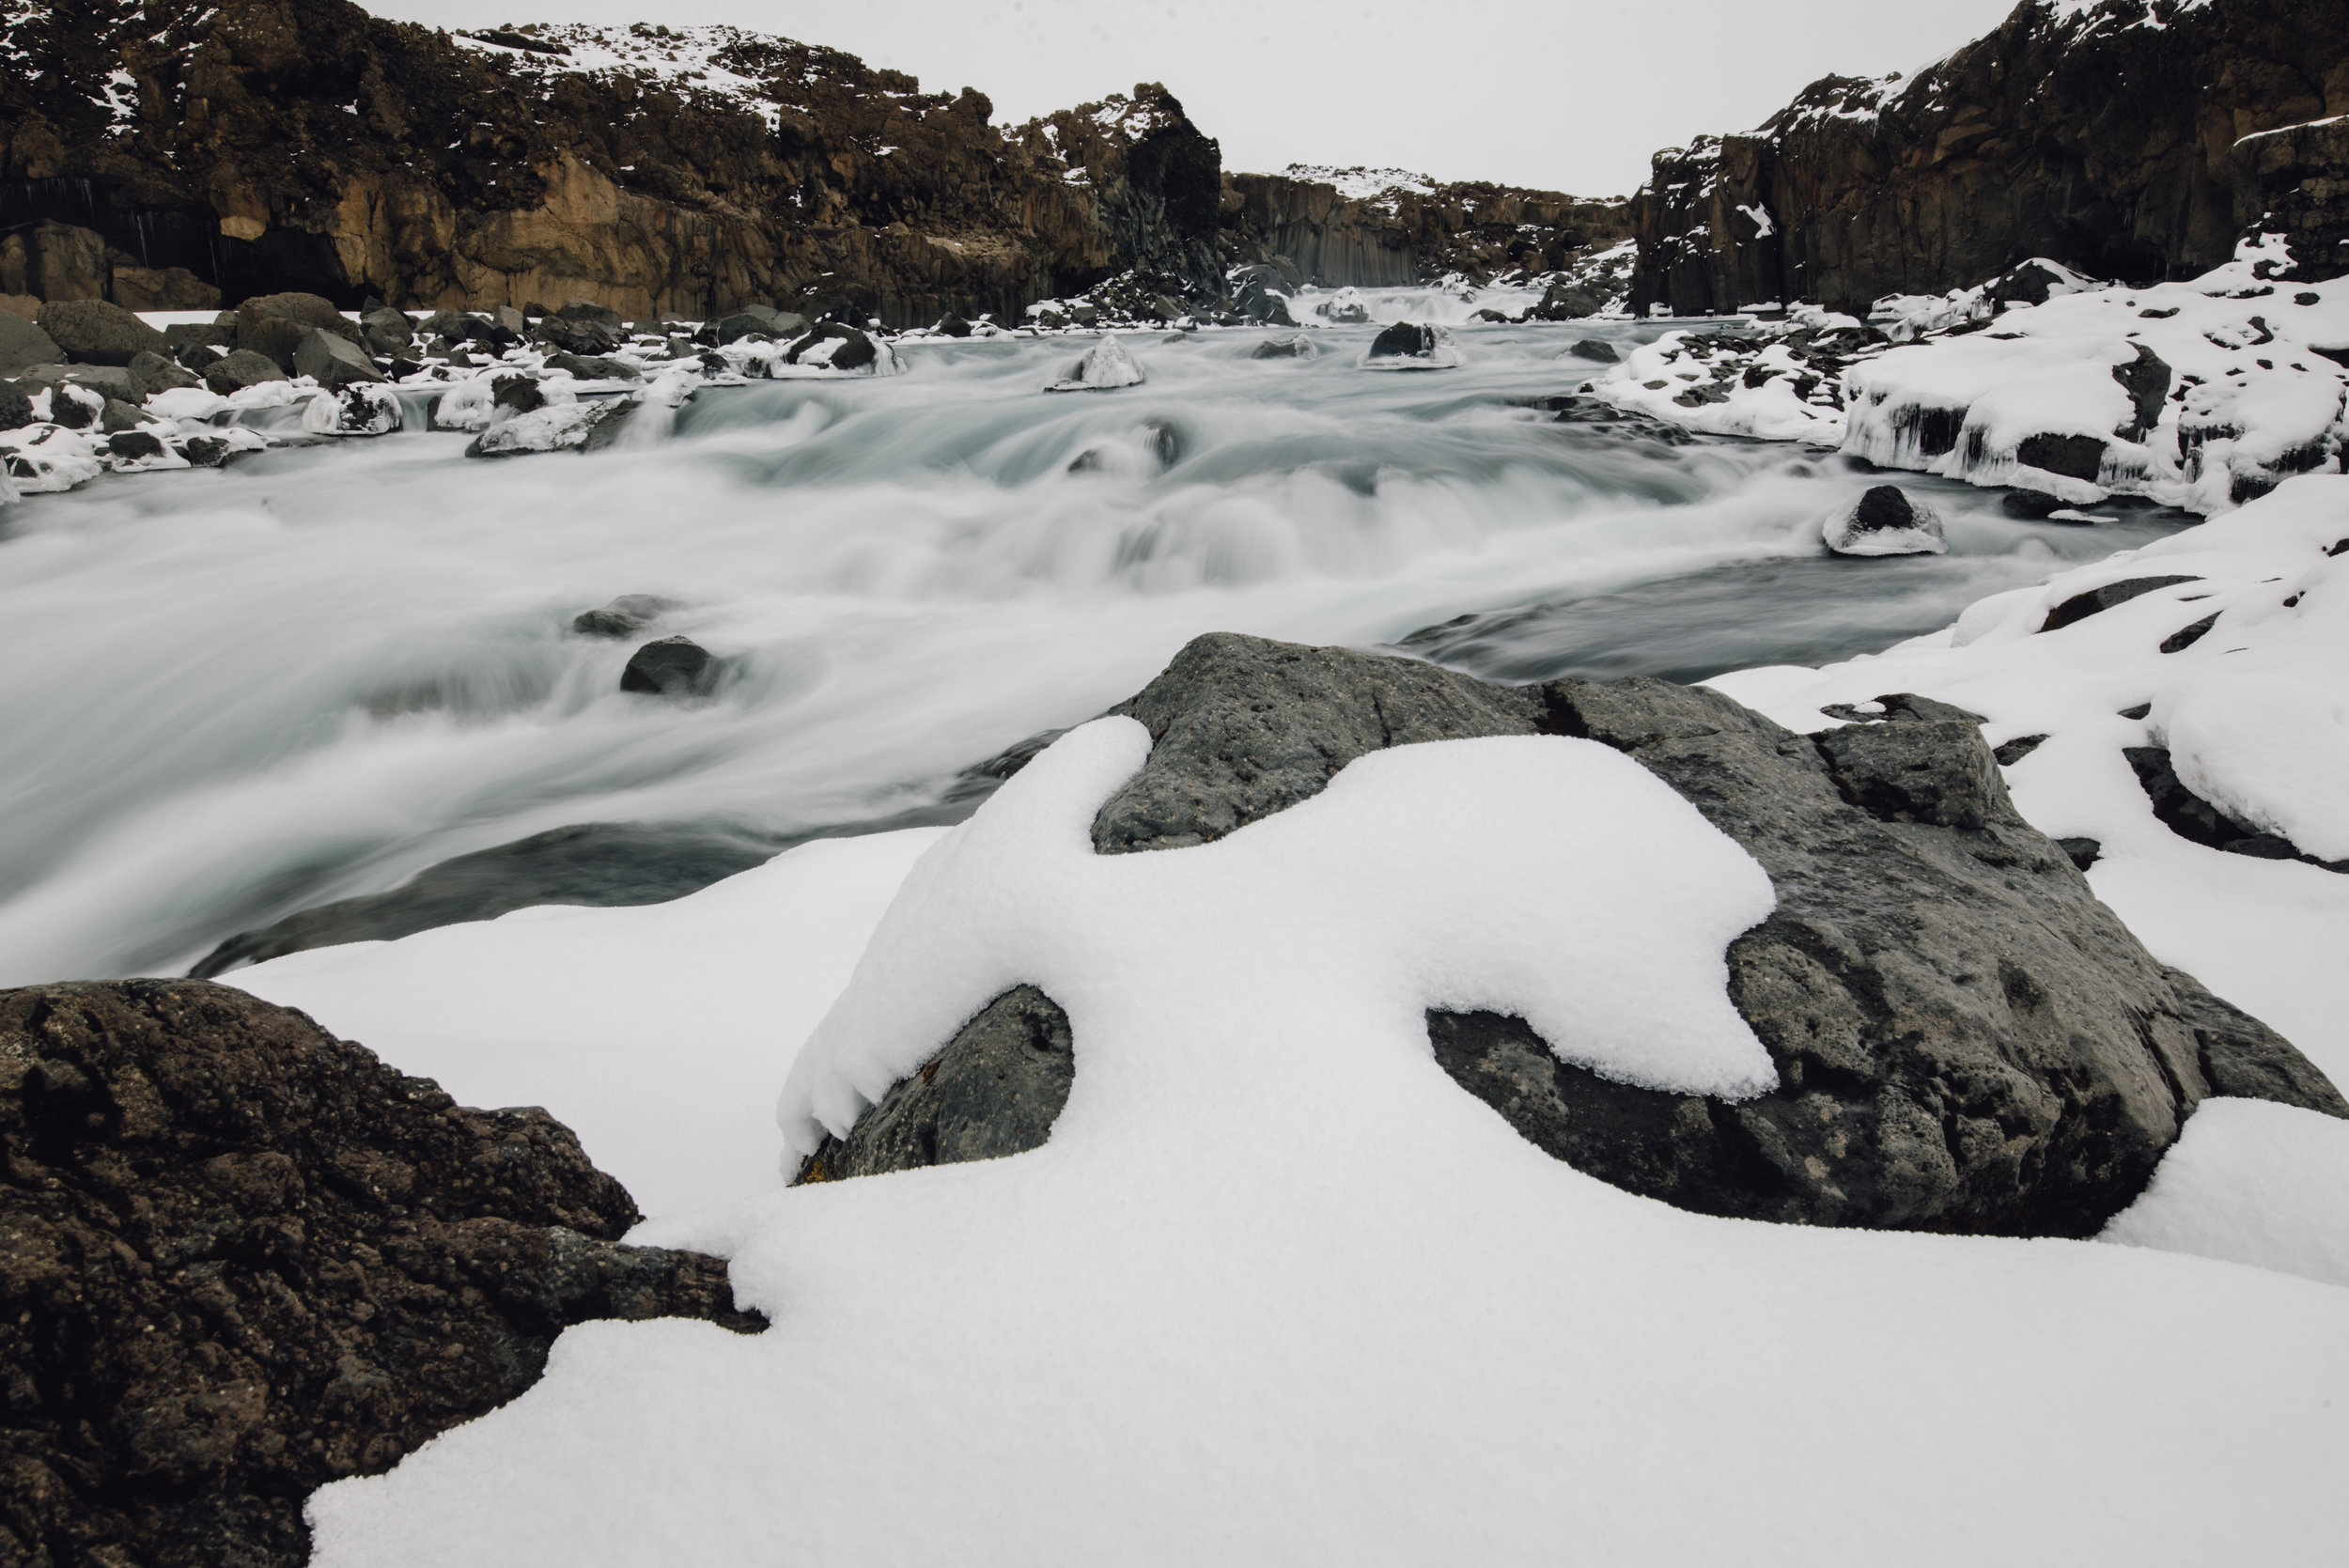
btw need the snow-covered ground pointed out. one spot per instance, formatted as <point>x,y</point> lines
<point>2249,388</point>
<point>1277,1290</point>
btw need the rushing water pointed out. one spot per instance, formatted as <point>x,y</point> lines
<point>240,693</point>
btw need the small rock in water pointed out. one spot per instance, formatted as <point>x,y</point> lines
<point>133,444</point>
<point>206,451</point>
<point>1596,348</point>
<point>952,325</point>
<point>623,617</point>
<point>1106,365</point>
<point>1885,521</point>
<point>836,348</point>
<point>1285,348</point>
<point>2031,505</point>
<point>1412,346</point>
<point>672,667</point>
<point>359,409</point>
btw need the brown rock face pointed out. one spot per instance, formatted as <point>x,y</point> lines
<point>1406,236</point>
<point>304,145</point>
<point>240,1258</point>
<point>2130,142</point>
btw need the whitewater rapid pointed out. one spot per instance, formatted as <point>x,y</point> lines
<point>314,674</point>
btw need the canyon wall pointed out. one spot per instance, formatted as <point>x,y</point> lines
<point>172,154</point>
<point>2128,140</point>
<point>1382,228</point>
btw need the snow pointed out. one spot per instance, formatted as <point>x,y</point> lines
<point>551,428</point>
<point>1276,1290</point>
<point>2250,1181</point>
<point>2258,390</point>
<point>363,409</point>
<point>2287,130</point>
<point>2252,710</point>
<point>657,1033</point>
<point>683,60</point>
<point>1357,183</point>
<point>1459,909</point>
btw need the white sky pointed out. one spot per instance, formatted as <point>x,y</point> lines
<point>1571,94</point>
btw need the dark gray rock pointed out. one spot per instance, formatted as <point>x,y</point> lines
<point>673,667</point>
<point>2186,636</point>
<point>134,444</point>
<point>2073,457</point>
<point>2095,600</point>
<point>1404,341</point>
<point>2195,819</point>
<point>332,360</point>
<point>93,332</point>
<point>183,336</point>
<point>1284,348</point>
<point>299,309</point>
<point>120,416</point>
<point>588,369</point>
<point>855,352</point>
<point>274,338</point>
<point>16,406</point>
<point>158,374</point>
<point>623,617</point>
<point>588,310</point>
<point>1241,728</point>
<point>1596,349</point>
<point>2026,284</point>
<point>518,392</point>
<point>1966,1039</point>
<point>1895,707</point>
<point>2243,1058</point>
<point>246,1259</point>
<point>995,1090</point>
<point>200,357</point>
<point>952,325</point>
<point>2017,750</point>
<point>387,332</point>
<point>2030,505</point>
<point>2083,852</point>
<point>206,451</point>
<point>575,336</point>
<point>243,368</point>
<point>743,323</point>
<point>2146,379</point>
<point>23,345</point>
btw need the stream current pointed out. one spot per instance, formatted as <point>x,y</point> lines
<point>242,694</point>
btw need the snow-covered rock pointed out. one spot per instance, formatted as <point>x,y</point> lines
<point>1886,520</point>
<point>555,427</point>
<point>44,458</point>
<point>359,409</point>
<point>1105,366</point>
<point>1414,345</point>
<point>1347,307</point>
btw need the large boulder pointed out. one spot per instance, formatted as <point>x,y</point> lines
<point>24,345</point>
<point>244,1258</point>
<point>96,333</point>
<point>303,310</point>
<point>1966,1039</point>
<point>1104,368</point>
<point>332,360</point>
<point>234,372</point>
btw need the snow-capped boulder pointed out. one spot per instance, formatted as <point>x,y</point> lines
<point>552,426</point>
<point>1105,366</point>
<point>1347,307</point>
<point>266,1155</point>
<point>44,458</point>
<point>1412,346</point>
<point>359,409</point>
<point>1907,1093</point>
<point>1886,520</point>
<point>830,345</point>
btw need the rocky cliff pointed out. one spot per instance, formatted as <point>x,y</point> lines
<point>172,154</point>
<point>1380,227</point>
<point>2129,140</point>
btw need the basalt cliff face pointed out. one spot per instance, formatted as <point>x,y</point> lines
<point>1386,227</point>
<point>2129,140</point>
<point>174,154</point>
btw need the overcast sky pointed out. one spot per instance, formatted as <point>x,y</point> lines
<point>1568,95</point>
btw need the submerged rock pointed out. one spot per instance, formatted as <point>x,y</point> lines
<point>1966,1039</point>
<point>1885,521</point>
<point>1106,367</point>
<point>247,1258</point>
<point>1596,349</point>
<point>623,617</point>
